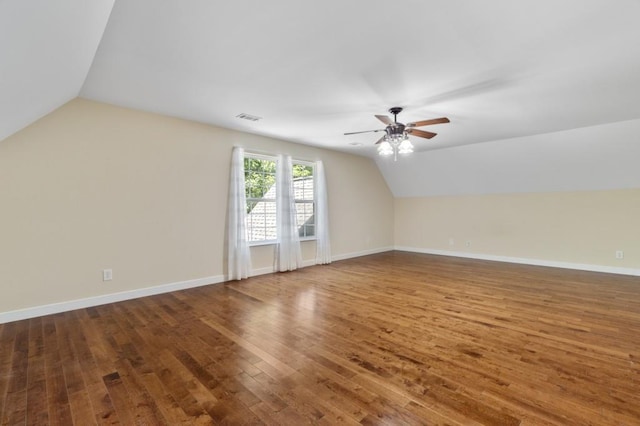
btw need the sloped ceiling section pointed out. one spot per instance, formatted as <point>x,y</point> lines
<point>47,48</point>
<point>599,157</point>
<point>317,69</point>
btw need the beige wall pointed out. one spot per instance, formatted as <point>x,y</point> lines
<point>92,186</point>
<point>584,227</point>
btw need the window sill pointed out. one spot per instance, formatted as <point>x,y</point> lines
<point>274,242</point>
<point>263,243</point>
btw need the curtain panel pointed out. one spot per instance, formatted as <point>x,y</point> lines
<point>239,254</point>
<point>288,253</point>
<point>323,245</point>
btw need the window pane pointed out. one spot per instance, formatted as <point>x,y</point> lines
<point>261,222</point>
<point>260,190</point>
<point>309,230</point>
<point>305,218</point>
<point>302,170</point>
<point>304,199</point>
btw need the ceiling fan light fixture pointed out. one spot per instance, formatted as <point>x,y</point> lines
<point>385,149</point>
<point>405,147</point>
<point>394,144</point>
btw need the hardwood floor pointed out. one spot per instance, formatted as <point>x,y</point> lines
<point>394,338</point>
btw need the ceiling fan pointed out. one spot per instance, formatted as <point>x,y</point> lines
<point>397,131</point>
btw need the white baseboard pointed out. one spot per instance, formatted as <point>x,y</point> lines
<point>271,269</point>
<point>526,261</point>
<point>312,262</point>
<point>261,271</point>
<point>55,308</point>
<point>361,253</point>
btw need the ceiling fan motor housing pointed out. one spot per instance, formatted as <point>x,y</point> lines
<point>395,129</point>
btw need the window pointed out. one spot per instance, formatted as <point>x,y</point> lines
<point>260,187</point>
<point>304,198</point>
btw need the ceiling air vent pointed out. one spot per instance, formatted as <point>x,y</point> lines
<point>248,117</point>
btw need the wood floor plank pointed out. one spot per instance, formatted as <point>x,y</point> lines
<point>7,339</point>
<point>16,395</point>
<point>146,408</point>
<point>57,394</point>
<point>37,411</point>
<point>394,338</point>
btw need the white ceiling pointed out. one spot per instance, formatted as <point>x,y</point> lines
<point>314,70</point>
<point>46,49</point>
<point>603,157</point>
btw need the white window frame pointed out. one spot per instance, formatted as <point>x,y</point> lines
<point>315,197</point>
<point>274,158</point>
<point>264,158</point>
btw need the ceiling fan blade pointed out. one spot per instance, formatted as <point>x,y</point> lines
<point>428,122</point>
<point>421,133</point>
<point>380,140</point>
<point>364,131</point>
<point>384,119</point>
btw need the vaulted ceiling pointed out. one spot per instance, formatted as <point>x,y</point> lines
<point>314,70</point>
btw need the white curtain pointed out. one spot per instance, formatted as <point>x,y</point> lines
<point>323,246</point>
<point>288,253</point>
<point>239,254</point>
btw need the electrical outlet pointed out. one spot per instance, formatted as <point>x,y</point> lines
<point>619,254</point>
<point>107,274</point>
<point>467,243</point>
<point>451,242</point>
